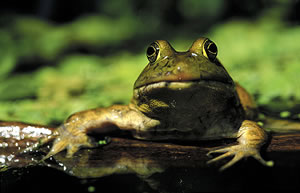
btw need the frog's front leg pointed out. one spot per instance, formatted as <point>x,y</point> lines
<point>73,133</point>
<point>250,139</point>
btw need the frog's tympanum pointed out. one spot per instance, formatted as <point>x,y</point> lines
<point>184,96</point>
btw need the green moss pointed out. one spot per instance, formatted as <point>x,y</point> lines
<point>77,83</point>
<point>263,55</point>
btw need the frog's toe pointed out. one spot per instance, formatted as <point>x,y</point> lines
<point>73,148</point>
<point>238,152</point>
<point>221,150</point>
<point>262,161</point>
<point>58,146</point>
<point>222,156</point>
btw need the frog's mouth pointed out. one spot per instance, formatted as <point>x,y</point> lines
<point>182,77</point>
<point>185,85</point>
<point>182,83</point>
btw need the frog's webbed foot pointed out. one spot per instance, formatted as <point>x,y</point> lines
<point>238,152</point>
<point>250,137</point>
<point>71,140</point>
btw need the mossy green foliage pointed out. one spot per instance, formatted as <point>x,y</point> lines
<point>262,54</point>
<point>78,82</point>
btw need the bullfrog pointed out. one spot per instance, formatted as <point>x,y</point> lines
<point>183,96</point>
<point>179,96</point>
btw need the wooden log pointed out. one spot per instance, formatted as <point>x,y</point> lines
<point>129,152</point>
<point>165,167</point>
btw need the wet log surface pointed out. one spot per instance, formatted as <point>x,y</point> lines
<point>284,143</point>
<point>175,154</point>
<point>132,165</point>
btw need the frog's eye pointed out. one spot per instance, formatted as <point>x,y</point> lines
<point>152,52</point>
<point>210,50</point>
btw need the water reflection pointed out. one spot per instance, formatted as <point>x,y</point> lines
<point>161,166</point>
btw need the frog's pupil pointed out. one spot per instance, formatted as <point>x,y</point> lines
<point>212,48</point>
<point>150,51</point>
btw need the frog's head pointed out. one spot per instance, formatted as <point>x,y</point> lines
<point>167,65</point>
<point>183,82</point>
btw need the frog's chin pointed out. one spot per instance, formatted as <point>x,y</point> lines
<point>182,85</point>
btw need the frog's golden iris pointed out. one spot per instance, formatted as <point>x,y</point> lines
<point>152,52</point>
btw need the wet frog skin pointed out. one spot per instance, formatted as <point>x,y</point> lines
<point>179,96</point>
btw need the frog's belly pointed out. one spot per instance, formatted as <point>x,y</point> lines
<point>217,128</point>
<point>202,110</point>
